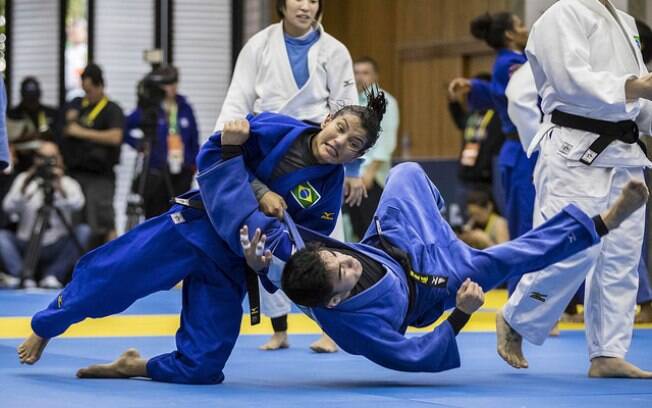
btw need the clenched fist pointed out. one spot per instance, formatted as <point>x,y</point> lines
<point>470,297</point>
<point>235,132</point>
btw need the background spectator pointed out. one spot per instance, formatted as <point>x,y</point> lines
<point>91,147</point>
<point>25,198</point>
<point>378,160</point>
<point>173,151</point>
<point>30,122</point>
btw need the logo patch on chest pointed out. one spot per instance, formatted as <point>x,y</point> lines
<point>305,195</point>
<point>328,216</point>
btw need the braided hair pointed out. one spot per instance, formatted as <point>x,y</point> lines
<point>370,116</point>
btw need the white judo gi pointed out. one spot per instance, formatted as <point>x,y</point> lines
<point>523,104</point>
<point>581,54</point>
<point>263,81</point>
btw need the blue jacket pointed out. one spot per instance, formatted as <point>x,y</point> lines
<point>506,62</point>
<point>188,131</point>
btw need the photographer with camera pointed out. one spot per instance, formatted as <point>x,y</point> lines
<point>172,144</point>
<point>29,123</point>
<point>45,181</point>
<point>91,147</point>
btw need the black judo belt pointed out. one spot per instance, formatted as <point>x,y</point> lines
<point>251,275</point>
<point>413,277</point>
<point>626,131</point>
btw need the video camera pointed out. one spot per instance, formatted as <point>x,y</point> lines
<point>150,89</point>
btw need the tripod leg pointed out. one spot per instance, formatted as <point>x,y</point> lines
<point>35,240</point>
<point>70,229</point>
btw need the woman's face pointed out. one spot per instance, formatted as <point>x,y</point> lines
<point>299,15</point>
<point>340,140</point>
<point>519,34</point>
<point>478,213</point>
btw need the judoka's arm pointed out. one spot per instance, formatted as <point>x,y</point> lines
<point>479,96</point>
<point>374,338</point>
<point>230,203</point>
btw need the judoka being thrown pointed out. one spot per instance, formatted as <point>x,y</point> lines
<point>410,267</point>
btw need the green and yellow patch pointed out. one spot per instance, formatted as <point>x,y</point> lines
<point>306,195</point>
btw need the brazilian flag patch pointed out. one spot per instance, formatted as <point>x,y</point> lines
<point>637,39</point>
<point>305,194</point>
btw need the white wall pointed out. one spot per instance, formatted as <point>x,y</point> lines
<point>202,52</point>
<point>35,47</point>
<point>123,30</point>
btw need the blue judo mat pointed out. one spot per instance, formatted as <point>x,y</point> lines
<point>297,377</point>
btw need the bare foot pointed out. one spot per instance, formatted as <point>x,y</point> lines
<point>128,365</point>
<point>633,196</point>
<point>324,345</point>
<point>555,331</point>
<point>279,340</point>
<point>613,367</point>
<point>29,352</point>
<point>509,343</point>
<point>645,315</point>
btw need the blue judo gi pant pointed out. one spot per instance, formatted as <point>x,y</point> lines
<point>408,213</point>
<point>516,176</point>
<point>156,256</point>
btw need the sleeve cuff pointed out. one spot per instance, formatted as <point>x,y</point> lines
<point>458,320</point>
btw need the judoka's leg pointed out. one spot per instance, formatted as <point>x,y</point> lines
<point>107,280</point>
<point>210,324</point>
<point>611,294</point>
<point>563,235</point>
<point>276,306</point>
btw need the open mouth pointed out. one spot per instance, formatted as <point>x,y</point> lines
<point>304,18</point>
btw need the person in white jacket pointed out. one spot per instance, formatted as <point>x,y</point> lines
<point>595,89</point>
<point>295,68</point>
<point>58,251</point>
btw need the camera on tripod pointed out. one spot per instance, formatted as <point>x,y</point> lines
<point>45,169</point>
<point>150,89</point>
<point>151,94</point>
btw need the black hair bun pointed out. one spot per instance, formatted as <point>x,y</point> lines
<point>376,101</point>
<point>481,25</point>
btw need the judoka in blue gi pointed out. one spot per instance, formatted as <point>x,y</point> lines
<point>507,34</point>
<point>408,268</point>
<point>187,244</point>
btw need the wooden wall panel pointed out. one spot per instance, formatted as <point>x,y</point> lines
<point>367,28</point>
<point>420,45</point>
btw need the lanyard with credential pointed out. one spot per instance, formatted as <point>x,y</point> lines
<point>89,119</point>
<point>172,120</point>
<point>42,122</point>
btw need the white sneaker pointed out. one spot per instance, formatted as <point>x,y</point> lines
<point>49,282</point>
<point>9,282</point>
<point>29,284</point>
